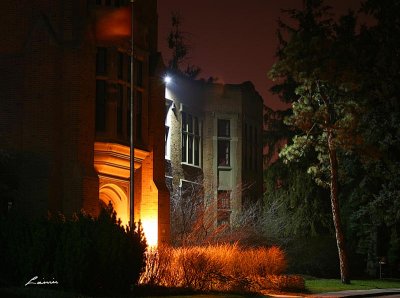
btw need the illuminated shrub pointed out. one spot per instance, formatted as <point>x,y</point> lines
<point>224,267</point>
<point>287,282</point>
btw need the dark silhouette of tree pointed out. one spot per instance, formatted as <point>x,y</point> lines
<point>375,190</point>
<point>177,42</point>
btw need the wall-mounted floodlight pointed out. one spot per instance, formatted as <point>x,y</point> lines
<point>167,79</point>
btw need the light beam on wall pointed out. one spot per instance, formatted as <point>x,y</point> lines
<point>150,229</point>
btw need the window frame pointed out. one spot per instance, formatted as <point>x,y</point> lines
<point>224,142</point>
<point>191,139</point>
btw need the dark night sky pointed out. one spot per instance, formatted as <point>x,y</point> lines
<point>233,40</point>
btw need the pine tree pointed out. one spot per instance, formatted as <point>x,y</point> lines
<point>317,57</point>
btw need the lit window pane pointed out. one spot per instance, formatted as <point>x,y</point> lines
<point>191,141</point>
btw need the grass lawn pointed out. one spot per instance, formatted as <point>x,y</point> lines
<point>331,285</point>
<point>313,286</point>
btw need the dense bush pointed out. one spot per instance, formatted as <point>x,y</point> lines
<point>217,267</point>
<point>84,254</point>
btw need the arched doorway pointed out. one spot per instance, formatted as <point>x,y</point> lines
<point>114,194</point>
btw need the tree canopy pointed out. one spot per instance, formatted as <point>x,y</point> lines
<point>343,84</point>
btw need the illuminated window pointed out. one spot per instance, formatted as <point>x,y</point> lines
<point>224,143</point>
<point>191,139</point>
<point>169,114</point>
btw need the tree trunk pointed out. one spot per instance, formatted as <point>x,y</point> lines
<point>340,241</point>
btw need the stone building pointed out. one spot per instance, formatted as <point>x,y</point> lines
<point>64,109</point>
<point>214,140</point>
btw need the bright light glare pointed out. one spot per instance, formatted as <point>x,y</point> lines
<point>150,229</point>
<point>167,79</point>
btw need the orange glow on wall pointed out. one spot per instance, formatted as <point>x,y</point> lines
<point>114,25</point>
<point>111,162</point>
<point>149,214</point>
<point>150,229</point>
<point>111,193</point>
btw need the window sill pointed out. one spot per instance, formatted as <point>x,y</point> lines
<point>224,168</point>
<point>190,165</point>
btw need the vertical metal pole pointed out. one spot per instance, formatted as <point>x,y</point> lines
<point>132,131</point>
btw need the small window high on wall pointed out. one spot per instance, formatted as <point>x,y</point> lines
<point>224,143</point>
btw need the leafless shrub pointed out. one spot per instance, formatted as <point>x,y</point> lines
<point>193,221</point>
<point>286,282</point>
<point>158,262</point>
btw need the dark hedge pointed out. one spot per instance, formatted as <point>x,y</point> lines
<point>95,256</point>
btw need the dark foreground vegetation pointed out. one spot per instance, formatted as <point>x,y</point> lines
<point>83,254</point>
<point>98,256</point>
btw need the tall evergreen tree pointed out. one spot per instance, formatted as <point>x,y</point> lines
<point>318,57</point>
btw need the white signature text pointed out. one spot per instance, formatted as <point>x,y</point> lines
<point>41,282</point>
